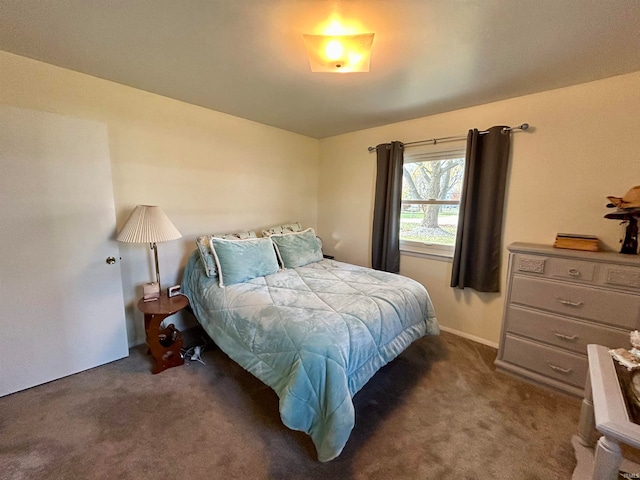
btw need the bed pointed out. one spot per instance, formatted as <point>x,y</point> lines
<point>313,329</point>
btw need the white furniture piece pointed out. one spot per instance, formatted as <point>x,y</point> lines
<point>558,301</point>
<point>604,410</point>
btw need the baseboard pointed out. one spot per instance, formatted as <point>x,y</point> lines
<point>468,336</point>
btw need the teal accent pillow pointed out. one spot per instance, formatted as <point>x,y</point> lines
<point>240,260</point>
<point>206,254</point>
<point>297,249</point>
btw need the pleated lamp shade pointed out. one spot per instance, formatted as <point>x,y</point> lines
<point>148,224</point>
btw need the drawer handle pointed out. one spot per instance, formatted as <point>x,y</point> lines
<point>566,371</point>
<point>574,272</point>
<point>569,338</point>
<point>569,303</point>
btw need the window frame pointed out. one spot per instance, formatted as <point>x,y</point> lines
<point>435,250</point>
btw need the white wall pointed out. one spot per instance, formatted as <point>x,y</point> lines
<point>583,146</point>
<point>210,172</point>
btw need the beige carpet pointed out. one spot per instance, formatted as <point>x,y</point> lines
<point>439,411</point>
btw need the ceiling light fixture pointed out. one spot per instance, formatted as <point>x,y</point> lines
<point>339,53</point>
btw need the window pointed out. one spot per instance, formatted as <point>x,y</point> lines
<point>431,189</point>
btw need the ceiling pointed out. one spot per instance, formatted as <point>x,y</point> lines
<point>247,57</point>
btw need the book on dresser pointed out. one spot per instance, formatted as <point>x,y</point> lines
<point>558,302</point>
<point>574,241</point>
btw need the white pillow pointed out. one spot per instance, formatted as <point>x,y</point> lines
<point>286,228</point>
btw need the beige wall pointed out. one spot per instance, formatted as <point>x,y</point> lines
<point>583,146</point>
<point>215,172</point>
<point>210,172</point>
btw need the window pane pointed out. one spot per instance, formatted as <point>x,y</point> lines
<point>439,180</point>
<point>413,228</point>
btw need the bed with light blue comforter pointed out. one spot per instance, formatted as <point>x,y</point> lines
<point>315,334</point>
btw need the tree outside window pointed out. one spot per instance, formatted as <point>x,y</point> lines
<point>431,188</point>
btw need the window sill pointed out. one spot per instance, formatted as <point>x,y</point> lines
<point>440,254</point>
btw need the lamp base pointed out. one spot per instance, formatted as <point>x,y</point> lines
<point>151,291</point>
<point>154,247</point>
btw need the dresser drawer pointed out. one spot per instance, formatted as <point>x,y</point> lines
<point>534,264</point>
<point>562,332</point>
<point>602,306</point>
<point>566,268</point>
<point>560,365</point>
<point>620,276</point>
<point>572,269</point>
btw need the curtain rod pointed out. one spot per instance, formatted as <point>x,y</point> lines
<point>433,141</point>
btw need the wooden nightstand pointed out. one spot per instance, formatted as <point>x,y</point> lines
<point>164,343</point>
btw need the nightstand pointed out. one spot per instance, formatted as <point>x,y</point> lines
<point>164,343</point>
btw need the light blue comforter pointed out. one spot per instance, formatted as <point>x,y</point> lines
<point>315,334</point>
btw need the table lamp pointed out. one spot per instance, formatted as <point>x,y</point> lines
<point>149,224</point>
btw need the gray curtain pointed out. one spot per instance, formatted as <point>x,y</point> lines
<point>385,252</point>
<point>476,262</point>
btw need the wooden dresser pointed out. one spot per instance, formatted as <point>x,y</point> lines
<point>559,301</point>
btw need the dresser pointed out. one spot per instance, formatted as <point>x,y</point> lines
<point>558,301</point>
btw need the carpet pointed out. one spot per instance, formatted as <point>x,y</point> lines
<point>439,411</point>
